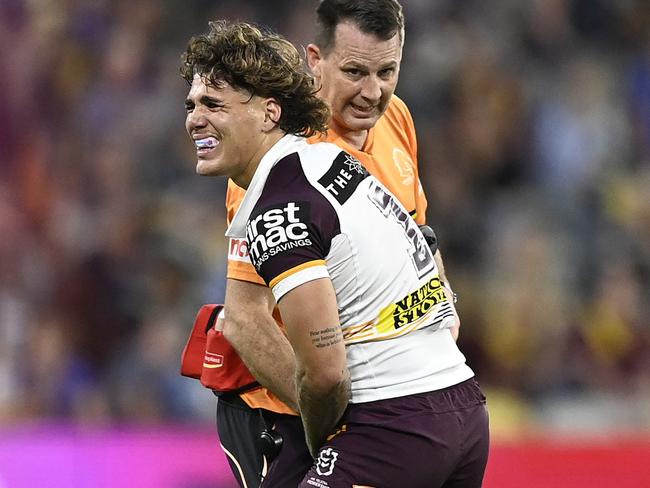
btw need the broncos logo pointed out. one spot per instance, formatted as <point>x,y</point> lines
<point>404,165</point>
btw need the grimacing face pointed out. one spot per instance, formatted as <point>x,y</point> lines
<point>357,77</point>
<point>229,129</point>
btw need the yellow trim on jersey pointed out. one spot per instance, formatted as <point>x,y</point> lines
<point>357,330</point>
<point>374,335</point>
<point>295,269</point>
<point>411,312</point>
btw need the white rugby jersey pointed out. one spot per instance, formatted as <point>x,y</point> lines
<point>313,211</point>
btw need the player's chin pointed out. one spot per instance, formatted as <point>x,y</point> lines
<point>207,168</point>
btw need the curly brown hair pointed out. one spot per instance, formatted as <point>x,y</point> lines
<point>262,63</point>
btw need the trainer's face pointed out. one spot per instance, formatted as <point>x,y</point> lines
<point>229,129</point>
<point>357,77</point>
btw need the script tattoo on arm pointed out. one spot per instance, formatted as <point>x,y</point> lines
<point>326,337</point>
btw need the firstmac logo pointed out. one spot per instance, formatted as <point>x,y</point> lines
<point>277,229</point>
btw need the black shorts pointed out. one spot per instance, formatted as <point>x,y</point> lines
<point>240,427</point>
<point>436,439</point>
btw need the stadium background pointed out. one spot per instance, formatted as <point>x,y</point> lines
<point>533,120</point>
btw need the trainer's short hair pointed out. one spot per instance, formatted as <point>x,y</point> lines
<point>383,18</point>
<point>262,63</point>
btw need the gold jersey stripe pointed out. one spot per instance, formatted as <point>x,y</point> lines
<point>295,269</point>
<point>354,330</point>
<point>368,331</point>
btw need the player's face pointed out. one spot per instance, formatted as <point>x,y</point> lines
<point>227,128</point>
<point>358,76</point>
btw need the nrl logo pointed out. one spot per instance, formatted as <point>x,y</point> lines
<point>326,461</point>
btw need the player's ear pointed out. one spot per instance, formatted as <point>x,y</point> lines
<point>313,59</point>
<point>272,113</point>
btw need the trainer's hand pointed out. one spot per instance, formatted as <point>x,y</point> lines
<point>432,241</point>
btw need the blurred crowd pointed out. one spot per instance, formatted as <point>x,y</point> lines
<point>533,119</point>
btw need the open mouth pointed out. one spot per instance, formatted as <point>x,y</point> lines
<point>206,145</point>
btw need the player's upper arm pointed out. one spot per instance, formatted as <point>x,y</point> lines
<point>310,315</point>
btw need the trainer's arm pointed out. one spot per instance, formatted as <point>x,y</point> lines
<point>310,315</point>
<point>251,329</point>
<point>443,277</point>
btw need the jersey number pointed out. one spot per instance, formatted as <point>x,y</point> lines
<point>420,252</point>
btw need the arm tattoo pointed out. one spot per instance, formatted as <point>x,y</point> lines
<point>326,337</point>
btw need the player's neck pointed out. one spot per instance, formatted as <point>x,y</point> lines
<point>266,142</point>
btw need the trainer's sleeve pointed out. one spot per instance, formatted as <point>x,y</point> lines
<point>239,263</point>
<point>420,198</point>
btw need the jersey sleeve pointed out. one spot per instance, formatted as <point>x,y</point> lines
<point>290,230</point>
<point>239,263</point>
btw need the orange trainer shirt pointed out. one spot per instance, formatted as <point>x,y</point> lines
<point>390,154</point>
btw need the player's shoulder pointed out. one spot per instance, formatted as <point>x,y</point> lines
<point>316,171</point>
<point>297,171</point>
<point>320,150</point>
<point>317,158</point>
